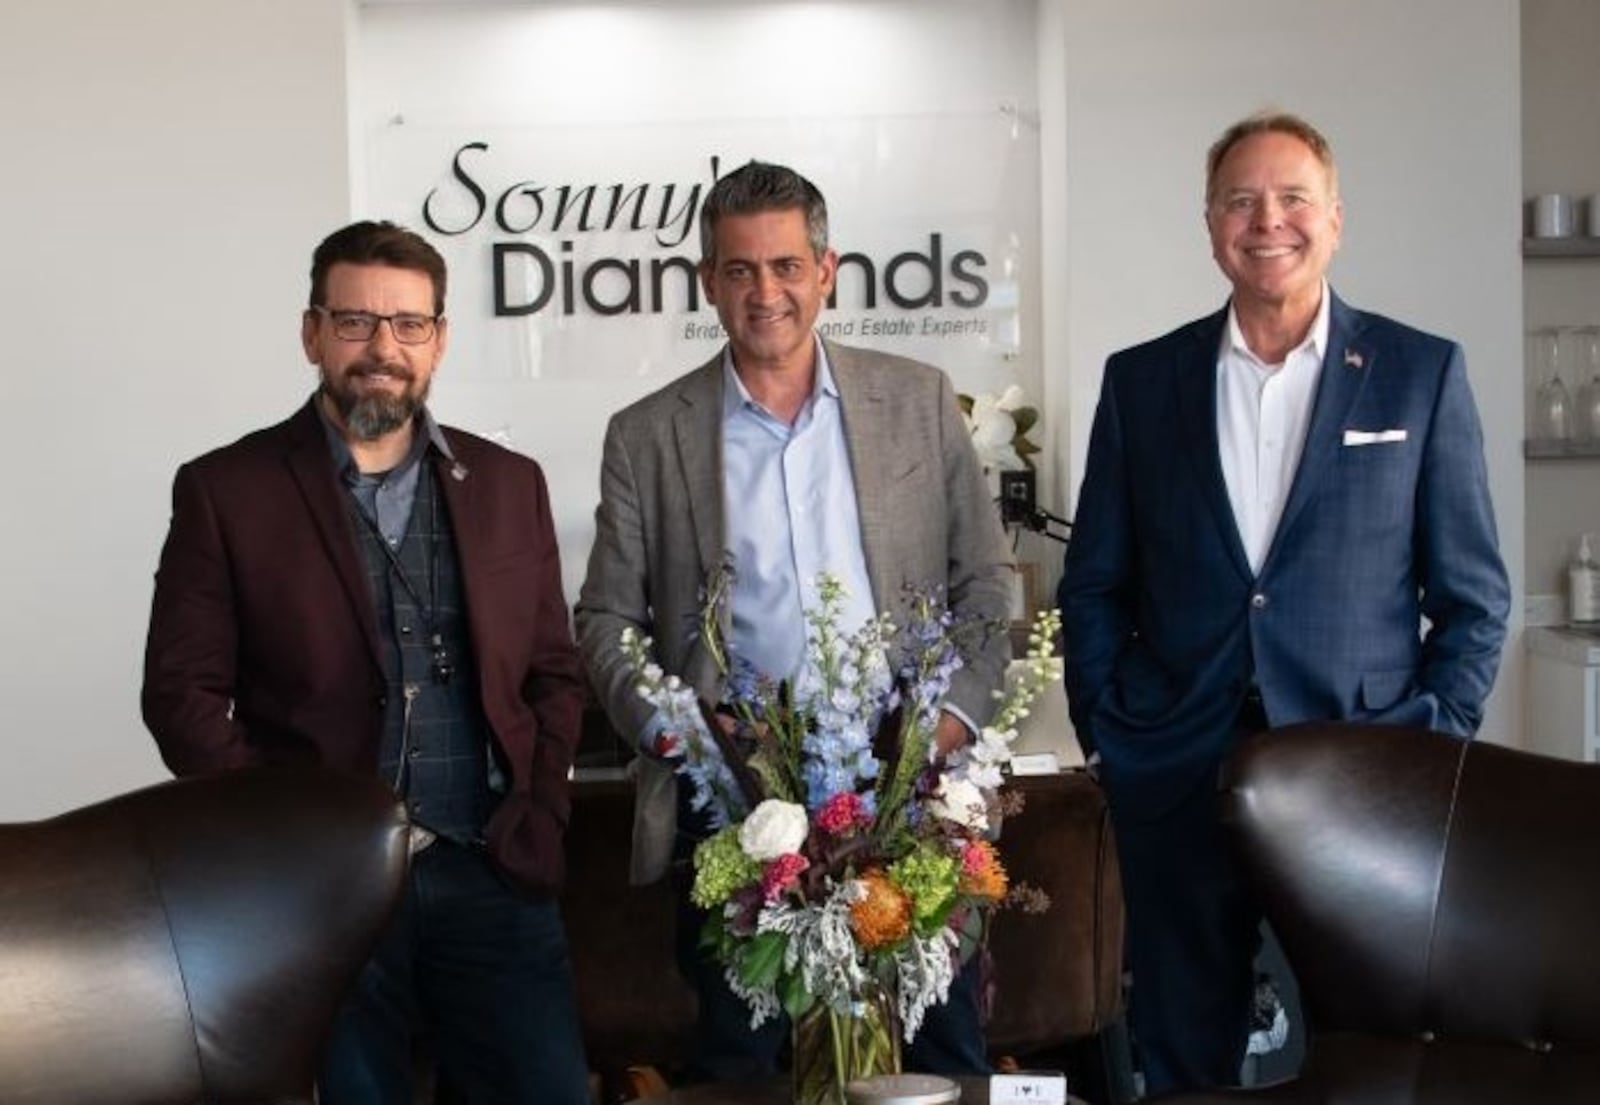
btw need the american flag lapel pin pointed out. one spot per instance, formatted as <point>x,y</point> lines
<point>1353,359</point>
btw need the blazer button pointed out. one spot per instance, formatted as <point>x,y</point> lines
<point>1258,601</point>
<point>383,700</point>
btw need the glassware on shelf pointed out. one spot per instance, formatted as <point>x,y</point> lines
<point>1586,416</point>
<point>1551,416</point>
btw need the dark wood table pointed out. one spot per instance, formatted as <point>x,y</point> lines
<point>775,1091</point>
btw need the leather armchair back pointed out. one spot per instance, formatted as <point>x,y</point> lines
<point>1439,903</point>
<point>1058,974</point>
<point>191,941</point>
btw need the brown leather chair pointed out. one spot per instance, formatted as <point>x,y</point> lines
<point>1439,903</point>
<point>1058,974</point>
<point>636,1010</point>
<point>190,942</point>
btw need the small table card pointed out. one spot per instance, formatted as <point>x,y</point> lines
<point>1035,763</point>
<point>1028,1087</point>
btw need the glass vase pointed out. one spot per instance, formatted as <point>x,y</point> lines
<point>833,1049</point>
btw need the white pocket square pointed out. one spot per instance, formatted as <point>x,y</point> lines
<point>1373,437</point>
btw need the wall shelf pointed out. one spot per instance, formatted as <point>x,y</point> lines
<point>1561,247</point>
<point>1561,450</point>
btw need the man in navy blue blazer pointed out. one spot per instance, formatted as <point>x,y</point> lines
<point>1285,517</point>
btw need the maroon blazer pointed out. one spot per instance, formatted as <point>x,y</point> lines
<point>263,644</point>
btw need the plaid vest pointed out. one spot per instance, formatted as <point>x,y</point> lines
<point>435,748</point>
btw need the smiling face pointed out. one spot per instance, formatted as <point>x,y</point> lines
<point>768,287</point>
<point>373,388</point>
<point>1274,217</point>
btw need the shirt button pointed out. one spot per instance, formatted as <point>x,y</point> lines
<point>1258,601</point>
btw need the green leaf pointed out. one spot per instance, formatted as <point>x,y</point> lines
<point>763,960</point>
<point>713,933</point>
<point>774,780</point>
<point>966,404</point>
<point>797,1000</point>
<point>1026,419</point>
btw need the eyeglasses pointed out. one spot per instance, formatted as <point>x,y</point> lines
<point>362,325</point>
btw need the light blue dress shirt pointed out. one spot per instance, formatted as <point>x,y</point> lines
<point>791,515</point>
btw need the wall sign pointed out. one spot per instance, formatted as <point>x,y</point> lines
<point>573,251</point>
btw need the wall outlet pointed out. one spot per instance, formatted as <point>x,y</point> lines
<point>1018,499</point>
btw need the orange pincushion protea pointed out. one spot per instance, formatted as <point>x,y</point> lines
<point>981,872</point>
<point>883,916</point>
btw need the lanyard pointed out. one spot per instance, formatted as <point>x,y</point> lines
<point>441,668</point>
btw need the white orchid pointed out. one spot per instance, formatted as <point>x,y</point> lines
<point>960,802</point>
<point>999,425</point>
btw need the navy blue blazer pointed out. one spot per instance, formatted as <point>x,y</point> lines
<point>1165,624</point>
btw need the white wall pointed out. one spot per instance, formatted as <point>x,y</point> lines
<point>168,167</point>
<point>1560,153</point>
<point>687,68</point>
<point>1420,101</point>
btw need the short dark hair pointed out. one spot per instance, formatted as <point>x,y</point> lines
<point>757,187</point>
<point>1269,122</point>
<point>377,243</point>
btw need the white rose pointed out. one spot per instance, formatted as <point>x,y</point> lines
<point>773,829</point>
<point>960,802</point>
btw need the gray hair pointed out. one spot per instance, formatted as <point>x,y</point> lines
<point>757,187</point>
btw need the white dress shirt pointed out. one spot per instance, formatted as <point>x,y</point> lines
<point>1263,412</point>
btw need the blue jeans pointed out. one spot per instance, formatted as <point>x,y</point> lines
<point>481,969</point>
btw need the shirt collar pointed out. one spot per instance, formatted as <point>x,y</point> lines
<point>1315,342</point>
<point>345,463</point>
<point>736,397</point>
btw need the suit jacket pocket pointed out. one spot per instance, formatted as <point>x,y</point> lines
<point>1382,689</point>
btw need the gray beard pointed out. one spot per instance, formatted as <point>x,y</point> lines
<point>372,417</point>
<point>369,417</point>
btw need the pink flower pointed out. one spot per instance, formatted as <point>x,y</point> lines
<point>782,873</point>
<point>841,813</point>
<point>975,858</point>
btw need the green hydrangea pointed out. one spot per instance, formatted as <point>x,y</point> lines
<point>720,868</point>
<point>930,877</point>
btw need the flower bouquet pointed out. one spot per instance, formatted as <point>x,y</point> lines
<point>850,866</point>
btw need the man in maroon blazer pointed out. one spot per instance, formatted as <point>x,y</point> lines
<point>363,588</point>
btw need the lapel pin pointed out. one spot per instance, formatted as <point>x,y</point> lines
<point>1353,359</point>
<point>458,471</point>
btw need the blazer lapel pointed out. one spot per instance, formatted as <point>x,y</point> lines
<point>311,466</point>
<point>1346,366</point>
<point>1196,384</point>
<point>697,427</point>
<point>861,400</point>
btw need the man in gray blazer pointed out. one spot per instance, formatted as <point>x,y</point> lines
<point>837,459</point>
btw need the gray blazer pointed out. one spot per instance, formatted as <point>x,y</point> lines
<point>926,517</point>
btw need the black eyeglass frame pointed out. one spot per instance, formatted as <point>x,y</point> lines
<point>369,320</point>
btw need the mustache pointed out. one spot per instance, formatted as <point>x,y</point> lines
<point>376,368</point>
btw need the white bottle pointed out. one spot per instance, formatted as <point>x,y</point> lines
<point>1583,586</point>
